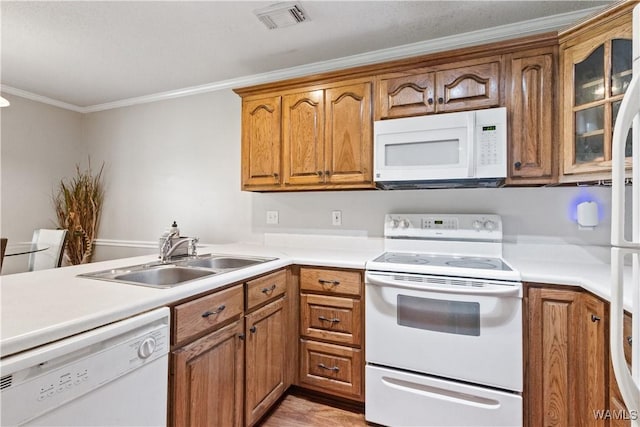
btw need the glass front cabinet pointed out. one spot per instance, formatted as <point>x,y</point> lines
<point>596,69</point>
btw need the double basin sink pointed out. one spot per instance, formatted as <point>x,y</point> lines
<point>173,273</point>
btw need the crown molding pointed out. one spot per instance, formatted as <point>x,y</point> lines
<point>40,98</point>
<point>484,36</point>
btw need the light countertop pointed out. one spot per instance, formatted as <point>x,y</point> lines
<point>44,306</point>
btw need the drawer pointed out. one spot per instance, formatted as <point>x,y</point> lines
<point>331,368</point>
<point>266,288</point>
<point>331,281</point>
<point>331,318</point>
<point>194,317</point>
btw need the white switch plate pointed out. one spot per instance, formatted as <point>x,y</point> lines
<point>272,217</point>
<point>336,217</point>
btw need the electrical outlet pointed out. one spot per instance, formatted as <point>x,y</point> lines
<point>336,217</point>
<point>272,217</point>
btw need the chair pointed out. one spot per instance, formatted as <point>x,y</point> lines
<point>52,257</point>
<point>3,246</point>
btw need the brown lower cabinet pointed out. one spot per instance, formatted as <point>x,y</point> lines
<point>265,362</point>
<point>208,379</point>
<point>331,332</point>
<point>230,353</point>
<point>568,379</point>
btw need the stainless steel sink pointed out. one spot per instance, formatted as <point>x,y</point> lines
<point>164,276</point>
<point>178,272</point>
<point>222,262</point>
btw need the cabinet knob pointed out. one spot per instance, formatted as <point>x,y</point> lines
<point>269,289</point>
<point>324,319</point>
<point>327,173</point>
<point>319,173</point>
<point>430,101</point>
<point>329,282</point>
<point>241,336</point>
<point>211,313</point>
<point>275,175</point>
<point>440,100</point>
<point>253,329</point>
<point>595,318</point>
<point>630,340</point>
<point>517,165</point>
<point>333,368</point>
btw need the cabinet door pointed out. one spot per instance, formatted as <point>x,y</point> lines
<point>531,122</point>
<point>348,135</point>
<point>265,351</point>
<point>207,378</point>
<point>592,361</point>
<point>468,87</point>
<point>620,416</point>
<point>596,72</point>
<point>261,141</point>
<point>406,96</point>
<point>551,369</point>
<point>303,138</point>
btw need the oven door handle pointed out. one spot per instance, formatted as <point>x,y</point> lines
<point>503,291</point>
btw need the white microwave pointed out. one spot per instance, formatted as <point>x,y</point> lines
<point>466,149</point>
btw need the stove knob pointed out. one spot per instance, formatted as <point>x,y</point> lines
<point>394,223</point>
<point>490,225</point>
<point>405,223</point>
<point>477,225</point>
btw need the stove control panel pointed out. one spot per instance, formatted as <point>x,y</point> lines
<point>443,226</point>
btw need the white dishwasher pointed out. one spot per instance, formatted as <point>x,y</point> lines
<point>115,375</point>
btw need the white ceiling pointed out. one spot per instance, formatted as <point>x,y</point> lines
<point>88,53</point>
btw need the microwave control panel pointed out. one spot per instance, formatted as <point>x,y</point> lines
<point>491,143</point>
<point>488,145</point>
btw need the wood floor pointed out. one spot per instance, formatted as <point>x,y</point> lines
<point>299,411</point>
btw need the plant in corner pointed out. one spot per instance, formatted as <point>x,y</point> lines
<point>78,204</point>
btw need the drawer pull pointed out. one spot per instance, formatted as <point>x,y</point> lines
<point>329,282</point>
<point>324,319</point>
<point>269,289</point>
<point>211,313</point>
<point>333,369</point>
<point>595,318</point>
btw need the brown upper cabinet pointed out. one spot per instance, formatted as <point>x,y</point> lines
<point>531,105</point>
<point>315,138</point>
<point>261,142</point>
<point>596,70</point>
<point>455,87</point>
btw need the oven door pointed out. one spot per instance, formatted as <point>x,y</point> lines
<point>464,329</point>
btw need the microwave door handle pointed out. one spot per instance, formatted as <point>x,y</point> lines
<point>471,144</point>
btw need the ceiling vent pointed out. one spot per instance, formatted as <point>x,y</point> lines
<point>281,15</point>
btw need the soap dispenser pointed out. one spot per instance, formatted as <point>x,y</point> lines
<point>174,229</point>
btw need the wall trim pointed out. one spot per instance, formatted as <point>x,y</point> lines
<point>126,243</point>
<point>484,36</point>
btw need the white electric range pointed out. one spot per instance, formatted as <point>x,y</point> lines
<point>443,325</point>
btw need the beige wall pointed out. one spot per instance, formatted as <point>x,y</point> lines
<point>40,144</point>
<point>179,160</point>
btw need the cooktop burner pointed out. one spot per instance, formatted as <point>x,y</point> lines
<point>443,261</point>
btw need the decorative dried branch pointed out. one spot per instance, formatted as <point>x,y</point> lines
<point>78,204</point>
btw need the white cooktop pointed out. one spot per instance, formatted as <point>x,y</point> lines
<point>444,244</point>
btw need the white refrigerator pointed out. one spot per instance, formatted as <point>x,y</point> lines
<point>626,246</point>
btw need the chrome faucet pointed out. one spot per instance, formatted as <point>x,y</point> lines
<point>169,247</point>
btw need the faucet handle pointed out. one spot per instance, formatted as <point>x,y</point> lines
<point>193,246</point>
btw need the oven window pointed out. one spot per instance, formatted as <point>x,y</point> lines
<point>451,317</point>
